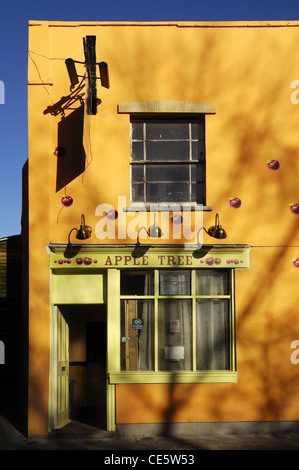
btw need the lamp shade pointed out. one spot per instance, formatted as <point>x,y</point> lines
<point>216,230</point>
<point>219,232</point>
<point>154,231</point>
<point>84,231</point>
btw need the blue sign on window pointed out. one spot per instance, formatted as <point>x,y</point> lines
<point>137,324</point>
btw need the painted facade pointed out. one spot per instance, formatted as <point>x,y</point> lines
<point>236,85</point>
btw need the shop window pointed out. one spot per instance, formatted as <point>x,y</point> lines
<point>168,160</point>
<point>177,320</point>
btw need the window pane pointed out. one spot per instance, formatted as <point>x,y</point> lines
<point>197,173</point>
<point>137,130</point>
<point>198,151</point>
<point>212,334</point>
<point>212,282</point>
<point>138,192</point>
<point>137,173</point>
<point>167,131</point>
<point>175,333</point>
<point>137,335</point>
<point>167,172</point>
<point>197,193</point>
<point>175,283</point>
<point>197,130</point>
<point>136,283</point>
<point>165,151</point>
<point>137,151</point>
<point>168,192</point>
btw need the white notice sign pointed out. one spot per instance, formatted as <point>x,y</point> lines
<point>174,353</point>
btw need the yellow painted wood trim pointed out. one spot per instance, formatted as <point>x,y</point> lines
<point>113,319</point>
<point>166,106</point>
<point>233,341</point>
<point>111,415</point>
<point>205,376</point>
<point>51,373</point>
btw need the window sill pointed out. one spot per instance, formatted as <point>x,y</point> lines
<point>148,377</point>
<point>165,207</point>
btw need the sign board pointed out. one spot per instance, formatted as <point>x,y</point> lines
<point>174,326</point>
<point>174,353</point>
<point>88,258</point>
<point>137,324</point>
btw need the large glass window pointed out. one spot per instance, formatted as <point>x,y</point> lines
<point>168,160</point>
<point>177,320</point>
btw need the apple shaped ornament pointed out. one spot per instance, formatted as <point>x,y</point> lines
<point>111,215</point>
<point>273,164</point>
<point>295,262</point>
<point>66,201</point>
<point>235,202</point>
<point>294,208</point>
<point>176,219</point>
<point>59,151</point>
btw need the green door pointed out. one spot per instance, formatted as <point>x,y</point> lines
<point>61,370</point>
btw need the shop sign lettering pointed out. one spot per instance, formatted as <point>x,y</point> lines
<point>162,260</point>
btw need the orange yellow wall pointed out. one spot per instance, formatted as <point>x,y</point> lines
<point>267,387</point>
<point>247,71</point>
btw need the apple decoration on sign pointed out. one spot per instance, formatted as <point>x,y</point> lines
<point>112,214</point>
<point>176,219</point>
<point>66,201</point>
<point>273,164</point>
<point>294,208</point>
<point>235,202</point>
<point>295,262</point>
<point>59,152</point>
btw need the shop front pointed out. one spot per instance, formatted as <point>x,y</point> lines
<point>125,316</point>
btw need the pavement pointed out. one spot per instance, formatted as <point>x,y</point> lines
<point>77,436</point>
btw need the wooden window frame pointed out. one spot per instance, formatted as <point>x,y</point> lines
<point>195,186</point>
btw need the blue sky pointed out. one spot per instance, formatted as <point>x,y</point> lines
<point>14,19</point>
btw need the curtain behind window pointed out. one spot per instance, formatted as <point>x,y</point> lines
<point>175,321</point>
<point>212,334</point>
<point>146,335</point>
<point>212,320</point>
